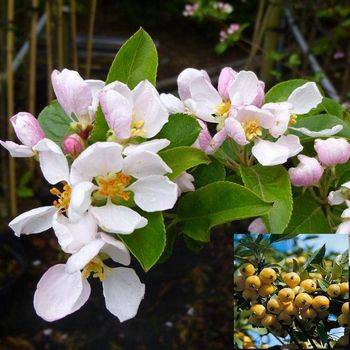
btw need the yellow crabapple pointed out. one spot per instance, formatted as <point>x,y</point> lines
<point>315,275</point>
<point>266,289</point>
<point>284,318</point>
<point>246,339</point>
<point>292,279</point>
<point>301,259</point>
<point>250,295</point>
<point>343,320</point>
<point>258,310</point>
<point>268,320</point>
<point>286,294</point>
<point>289,260</point>
<point>296,290</point>
<point>308,285</point>
<point>344,288</point>
<point>303,300</point>
<point>274,306</point>
<point>308,313</point>
<point>239,283</point>
<point>345,308</point>
<point>264,346</point>
<point>328,263</point>
<point>247,270</point>
<point>291,309</point>
<point>239,335</point>
<point>320,303</point>
<point>268,275</point>
<point>253,282</point>
<point>333,290</point>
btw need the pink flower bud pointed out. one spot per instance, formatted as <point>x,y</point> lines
<point>27,128</point>
<point>73,144</point>
<point>308,172</point>
<point>332,151</point>
<point>227,76</point>
<point>257,226</point>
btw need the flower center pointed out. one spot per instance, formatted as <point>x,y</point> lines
<point>113,185</point>
<point>252,129</point>
<point>62,203</point>
<point>137,128</point>
<point>293,119</point>
<point>97,268</point>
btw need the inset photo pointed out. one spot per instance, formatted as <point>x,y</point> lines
<point>291,292</point>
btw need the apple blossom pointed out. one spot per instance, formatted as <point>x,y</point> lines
<point>340,196</point>
<point>184,183</point>
<point>308,172</point>
<point>64,288</point>
<point>332,151</point>
<point>257,226</point>
<point>344,227</point>
<point>73,144</point>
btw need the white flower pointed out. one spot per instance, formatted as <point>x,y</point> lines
<point>340,196</point>
<point>64,288</point>
<point>185,183</point>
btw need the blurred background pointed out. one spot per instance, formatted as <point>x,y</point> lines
<point>187,304</point>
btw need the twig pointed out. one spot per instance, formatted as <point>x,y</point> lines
<point>59,34</point>
<point>90,37</point>
<point>73,25</point>
<point>48,49</point>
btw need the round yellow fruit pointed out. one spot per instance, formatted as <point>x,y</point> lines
<point>345,308</point>
<point>253,282</point>
<point>250,295</point>
<point>301,260</point>
<point>258,311</point>
<point>268,275</point>
<point>291,309</point>
<point>333,290</point>
<point>291,279</point>
<point>315,275</point>
<point>343,320</point>
<point>247,270</point>
<point>320,303</point>
<point>308,285</point>
<point>286,294</point>
<point>284,318</point>
<point>274,306</point>
<point>308,313</point>
<point>268,320</point>
<point>303,300</point>
<point>238,283</point>
<point>266,289</point>
<point>246,339</point>
<point>344,288</point>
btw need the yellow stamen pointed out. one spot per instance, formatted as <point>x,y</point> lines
<point>62,203</point>
<point>252,129</point>
<point>223,109</point>
<point>97,268</point>
<point>113,185</point>
<point>293,119</point>
<point>136,128</point>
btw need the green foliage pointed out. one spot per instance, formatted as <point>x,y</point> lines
<point>280,92</point>
<point>215,204</point>
<point>55,122</point>
<point>180,130</point>
<point>147,244</point>
<point>170,240</point>
<point>100,129</point>
<point>315,258</point>
<point>272,185</point>
<point>207,173</point>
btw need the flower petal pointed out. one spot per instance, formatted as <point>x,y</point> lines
<point>344,227</point>
<point>281,112</point>
<point>33,221</point>
<point>115,249</point>
<point>235,130</point>
<point>292,142</point>
<point>16,150</point>
<point>53,162</point>
<point>172,103</point>
<point>84,296</point>
<point>265,118</point>
<point>153,146</point>
<point>304,98</point>
<point>123,292</point>
<point>185,78</point>
<point>95,87</point>
<point>58,292</point>
<point>144,163</point>
<point>322,133</point>
<point>80,199</point>
<point>100,158</point>
<point>244,89</point>
<point>117,218</point>
<point>154,193</point>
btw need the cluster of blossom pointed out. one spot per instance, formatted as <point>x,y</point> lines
<point>190,9</point>
<point>219,6</point>
<point>223,7</point>
<point>231,29</point>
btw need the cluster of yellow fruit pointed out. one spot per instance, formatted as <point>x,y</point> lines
<point>296,302</point>
<point>247,341</point>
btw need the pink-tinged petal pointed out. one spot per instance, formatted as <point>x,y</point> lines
<point>185,79</point>
<point>82,257</point>
<point>305,98</point>
<point>344,227</point>
<point>322,133</point>
<point>27,128</point>
<point>72,92</point>
<point>282,112</point>
<point>346,214</point>
<point>248,113</point>
<point>257,226</point>
<point>16,150</point>
<point>117,218</point>
<point>336,197</point>
<point>292,142</point>
<point>172,103</point>
<point>96,87</point>
<point>259,99</point>
<point>149,109</point>
<point>58,293</point>
<point>72,236</point>
<point>332,151</point>
<point>123,292</point>
<point>118,113</point>
<point>235,130</point>
<point>144,163</point>
<point>244,89</point>
<point>53,162</point>
<point>153,146</point>
<point>184,183</point>
<point>73,145</point>
<point>154,193</point>
<point>33,221</point>
<point>216,142</point>
<point>202,110</point>
<point>84,296</point>
<point>226,78</point>
<point>121,88</point>
<point>100,158</point>
<point>115,249</point>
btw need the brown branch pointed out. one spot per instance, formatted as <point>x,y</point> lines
<point>48,39</point>
<point>59,34</point>
<point>92,16</point>
<point>73,26</point>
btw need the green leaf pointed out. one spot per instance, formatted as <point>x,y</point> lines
<point>316,257</point>
<point>208,173</point>
<point>193,245</point>
<point>147,244</point>
<point>180,130</point>
<point>295,265</point>
<point>322,332</point>
<point>331,107</point>
<point>215,204</point>
<point>307,217</point>
<point>336,271</point>
<point>319,122</point>
<point>323,284</point>
<point>272,185</point>
<point>170,240</point>
<point>281,91</point>
<point>182,158</point>
<point>282,237</point>
<point>136,60</point>
<point>100,128</point>
<point>55,122</point>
